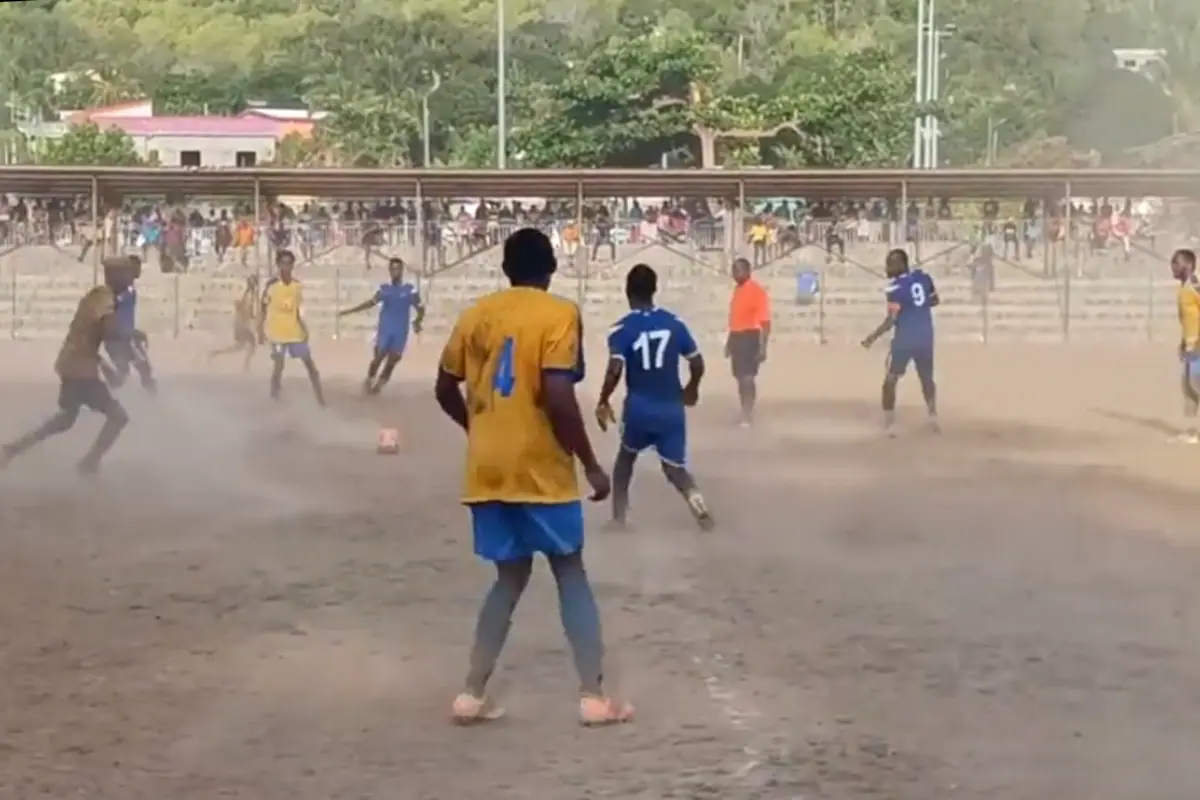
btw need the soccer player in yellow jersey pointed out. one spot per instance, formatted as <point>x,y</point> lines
<point>79,366</point>
<point>244,338</point>
<point>282,326</point>
<point>1183,268</point>
<point>519,352</point>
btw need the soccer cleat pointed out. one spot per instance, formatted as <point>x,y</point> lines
<point>471,710</point>
<point>368,387</point>
<point>934,425</point>
<point>700,511</point>
<point>1187,437</point>
<point>596,711</point>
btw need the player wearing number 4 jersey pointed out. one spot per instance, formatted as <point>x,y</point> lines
<point>519,353</point>
<point>911,298</point>
<point>647,344</point>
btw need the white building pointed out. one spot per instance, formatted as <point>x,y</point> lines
<point>200,141</point>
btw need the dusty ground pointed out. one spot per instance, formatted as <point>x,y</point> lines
<point>251,604</point>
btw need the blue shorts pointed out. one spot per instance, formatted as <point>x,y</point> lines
<point>921,357</point>
<point>513,531</point>
<point>121,353</point>
<point>667,437</point>
<point>283,350</point>
<point>124,355</point>
<point>391,342</point>
<point>1191,369</point>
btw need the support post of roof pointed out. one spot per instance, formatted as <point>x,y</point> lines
<point>1066,314</point>
<point>581,270</point>
<point>422,233</point>
<point>902,218</point>
<point>258,230</point>
<point>738,221</point>
<point>1047,240</point>
<point>98,243</point>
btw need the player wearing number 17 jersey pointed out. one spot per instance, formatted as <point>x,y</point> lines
<point>911,298</point>
<point>648,344</point>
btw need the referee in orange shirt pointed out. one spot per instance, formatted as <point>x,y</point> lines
<point>749,329</point>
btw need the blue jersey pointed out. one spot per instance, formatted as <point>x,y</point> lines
<point>911,298</point>
<point>126,310</point>
<point>651,342</point>
<point>396,302</point>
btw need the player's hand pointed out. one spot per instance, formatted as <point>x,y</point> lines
<point>866,343</point>
<point>141,339</point>
<point>108,373</point>
<point>727,354</point>
<point>691,395</point>
<point>598,479</point>
<point>762,354</point>
<point>418,327</point>
<point>604,416</point>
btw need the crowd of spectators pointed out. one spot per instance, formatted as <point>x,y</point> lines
<point>456,229</point>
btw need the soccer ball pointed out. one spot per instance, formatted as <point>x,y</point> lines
<point>389,442</point>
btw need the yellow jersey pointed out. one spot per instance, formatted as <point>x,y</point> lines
<point>281,312</point>
<point>79,356</point>
<point>759,234</point>
<point>500,347</point>
<point>1189,313</point>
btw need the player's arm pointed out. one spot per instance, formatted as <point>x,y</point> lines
<point>104,310</point>
<point>764,322</point>
<point>695,361</point>
<point>612,376</point>
<point>562,352</point>
<point>889,322</point>
<point>363,306</point>
<point>300,314</point>
<point>1189,320</point>
<point>452,370</point>
<point>418,322</point>
<point>935,299</point>
<point>263,307</point>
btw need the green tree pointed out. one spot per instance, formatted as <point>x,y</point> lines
<point>664,91</point>
<point>88,145</point>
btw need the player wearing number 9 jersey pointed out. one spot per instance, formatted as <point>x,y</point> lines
<point>647,344</point>
<point>911,298</point>
<point>519,353</point>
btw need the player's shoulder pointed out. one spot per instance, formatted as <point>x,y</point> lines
<point>100,294</point>
<point>270,284</point>
<point>669,317</point>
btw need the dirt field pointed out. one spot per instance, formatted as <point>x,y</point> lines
<point>250,603</point>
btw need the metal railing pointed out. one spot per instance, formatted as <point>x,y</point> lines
<point>1004,305</point>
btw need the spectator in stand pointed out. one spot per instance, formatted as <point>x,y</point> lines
<point>758,235</point>
<point>603,227</point>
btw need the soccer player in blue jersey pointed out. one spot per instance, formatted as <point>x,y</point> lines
<point>127,346</point>
<point>911,298</point>
<point>400,308</point>
<point>647,345</point>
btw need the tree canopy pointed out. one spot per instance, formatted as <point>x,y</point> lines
<point>622,82</point>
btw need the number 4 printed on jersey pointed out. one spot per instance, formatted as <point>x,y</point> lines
<point>504,379</point>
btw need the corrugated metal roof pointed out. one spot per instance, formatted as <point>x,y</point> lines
<point>755,184</point>
<point>193,126</point>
